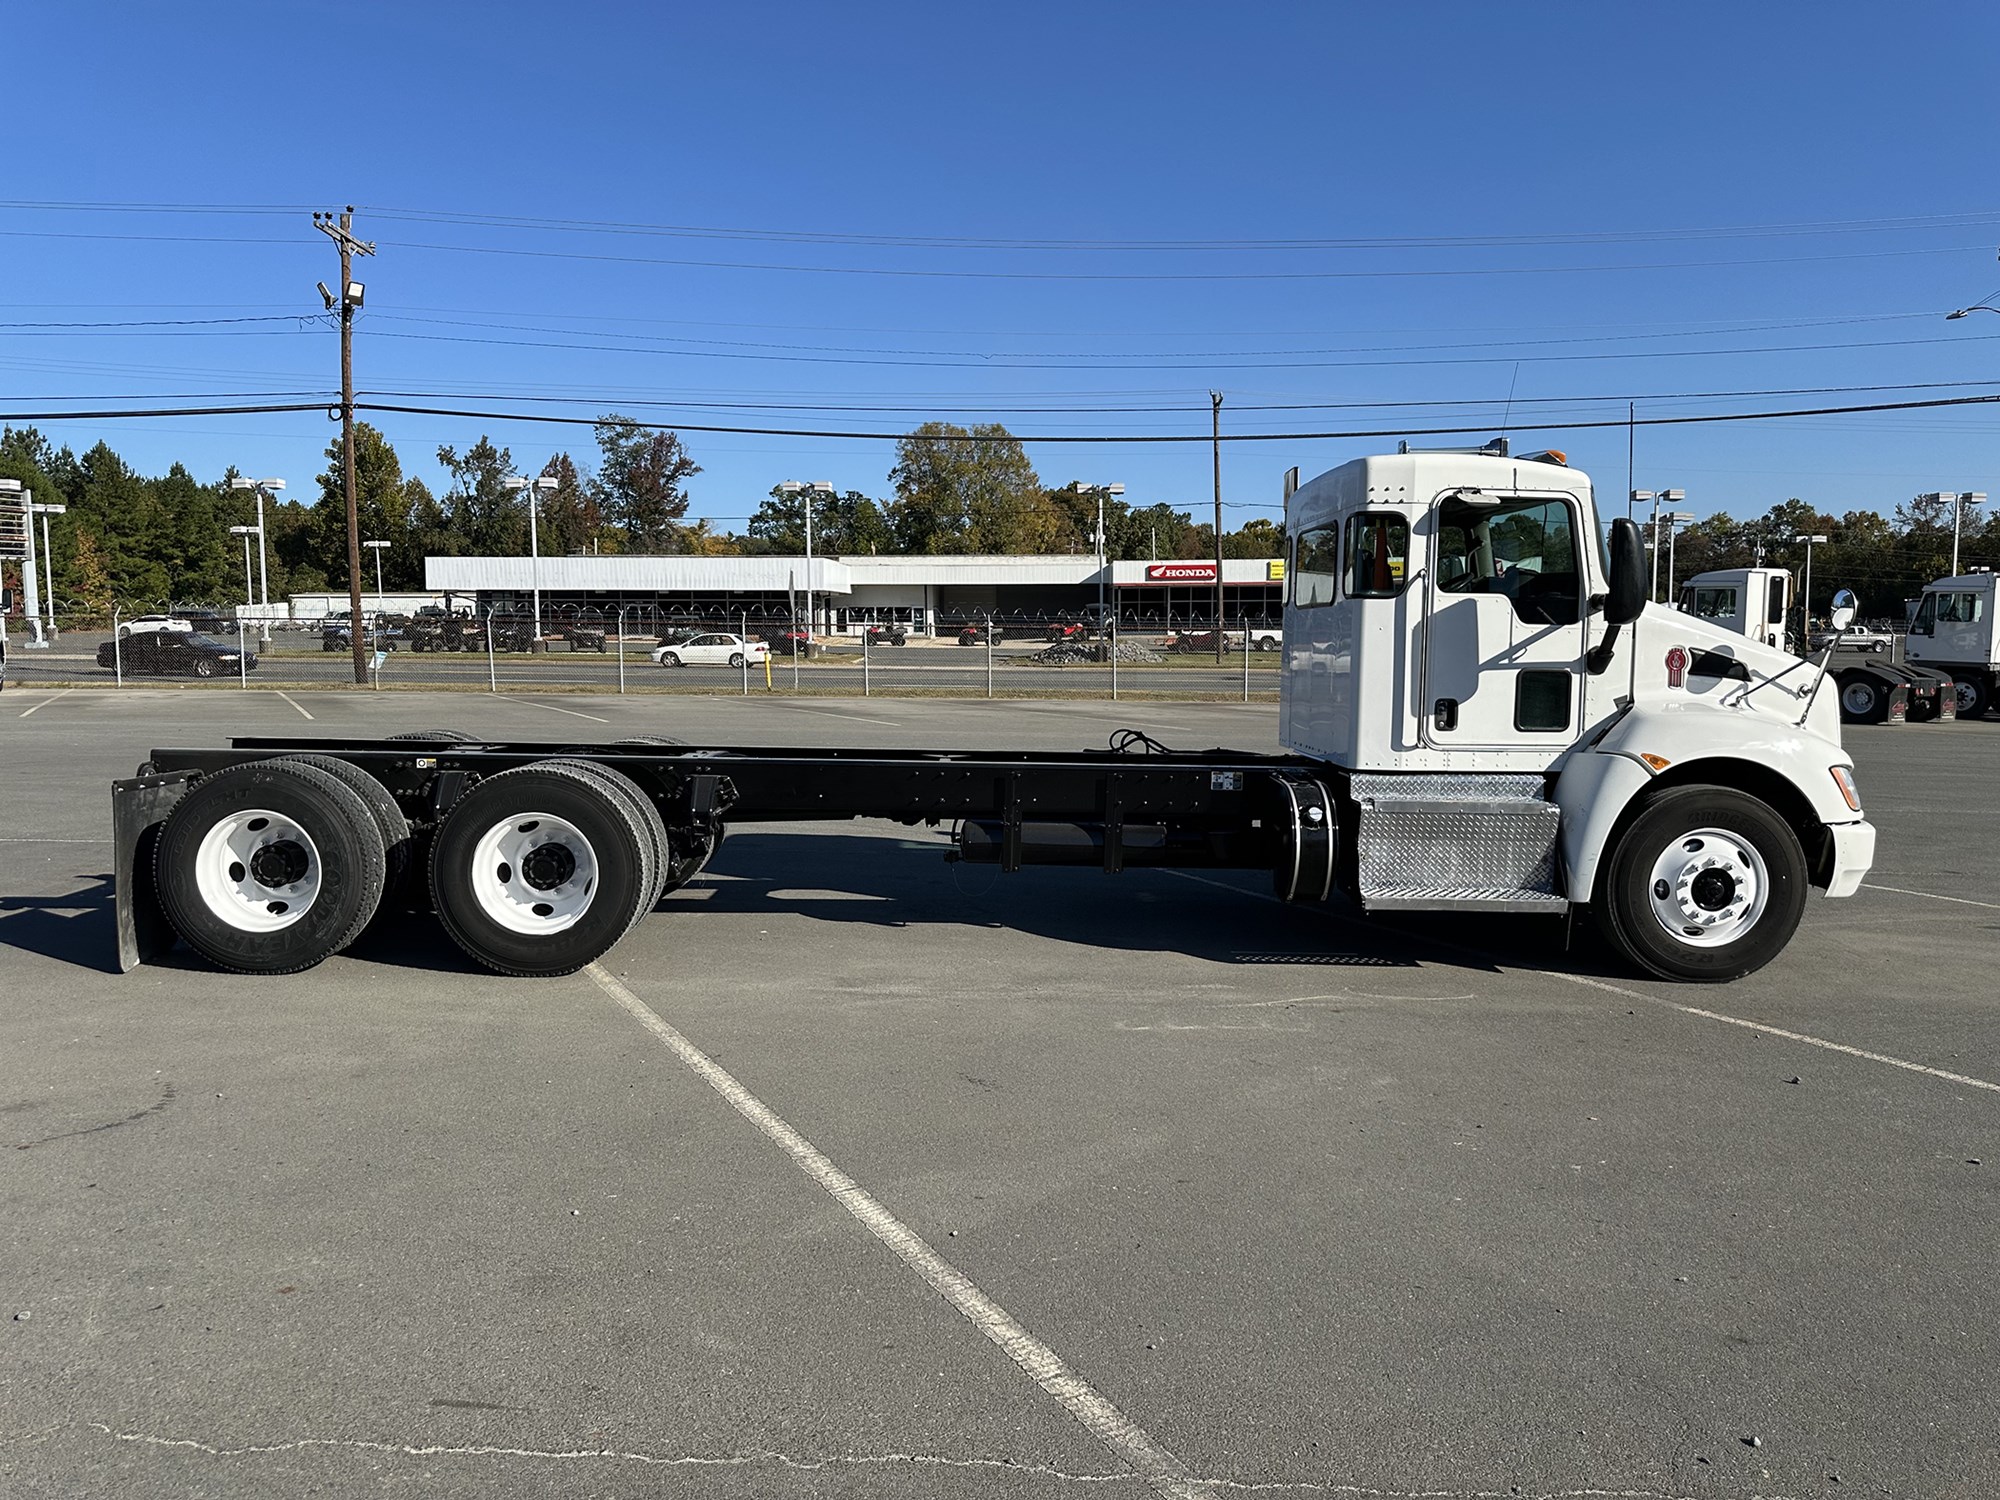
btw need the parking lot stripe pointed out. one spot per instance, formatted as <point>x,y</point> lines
<point>1931,895</point>
<point>47,701</point>
<point>834,713</point>
<point>551,708</point>
<point>1129,1442</point>
<point>1790,1036</point>
<point>294,702</point>
<point>1686,1010</point>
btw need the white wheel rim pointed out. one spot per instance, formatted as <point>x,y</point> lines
<point>1858,697</point>
<point>1966,697</point>
<point>534,874</point>
<point>1709,887</point>
<point>257,871</point>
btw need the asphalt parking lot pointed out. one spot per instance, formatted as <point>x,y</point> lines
<point>854,1172</point>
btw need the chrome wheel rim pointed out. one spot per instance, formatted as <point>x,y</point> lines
<point>535,873</point>
<point>257,871</point>
<point>1709,887</point>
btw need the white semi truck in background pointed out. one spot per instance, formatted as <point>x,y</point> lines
<point>1482,714</point>
<point>1757,602</point>
<point>1952,633</point>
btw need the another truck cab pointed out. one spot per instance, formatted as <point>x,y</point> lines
<point>1953,632</point>
<point>1750,601</point>
<point>1520,731</point>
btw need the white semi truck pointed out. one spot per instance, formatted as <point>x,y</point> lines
<point>1952,632</point>
<point>1482,712</point>
<point>1756,602</point>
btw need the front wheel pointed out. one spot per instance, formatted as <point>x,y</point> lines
<point>1707,885</point>
<point>736,658</point>
<point>203,667</point>
<point>668,659</point>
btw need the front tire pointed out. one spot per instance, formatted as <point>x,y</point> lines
<point>736,659</point>
<point>202,666</point>
<point>668,659</point>
<point>1705,885</point>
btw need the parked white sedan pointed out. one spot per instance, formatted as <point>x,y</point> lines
<point>713,650</point>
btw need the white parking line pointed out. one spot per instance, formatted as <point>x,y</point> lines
<point>293,701</point>
<point>47,701</point>
<point>1932,895</point>
<point>1674,1005</point>
<point>1127,1440</point>
<point>551,708</point>
<point>834,713</point>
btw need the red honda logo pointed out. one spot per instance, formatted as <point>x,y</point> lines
<point>1677,665</point>
<point>1180,573</point>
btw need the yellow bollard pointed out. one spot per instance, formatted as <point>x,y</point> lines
<point>767,673</point>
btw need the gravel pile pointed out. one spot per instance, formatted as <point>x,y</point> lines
<point>1068,653</point>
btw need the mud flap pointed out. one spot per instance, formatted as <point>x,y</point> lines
<point>139,808</point>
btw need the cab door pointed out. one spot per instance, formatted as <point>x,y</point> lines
<point>1503,654</point>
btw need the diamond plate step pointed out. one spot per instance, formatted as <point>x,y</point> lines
<point>1460,843</point>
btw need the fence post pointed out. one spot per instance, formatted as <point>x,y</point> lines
<point>117,644</point>
<point>1114,657</point>
<point>492,672</point>
<point>242,661</point>
<point>1246,658</point>
<point>867,690</point>
<point>746,654</point>
<point>989,656</point>
<point>621,648</point>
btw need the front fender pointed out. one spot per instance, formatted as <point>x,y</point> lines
<point>1676,736</point>
<point>1593,792</point>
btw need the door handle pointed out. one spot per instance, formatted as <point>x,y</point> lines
<point>1444,714</point>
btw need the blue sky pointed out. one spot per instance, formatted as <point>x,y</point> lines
<point>1536,201</point>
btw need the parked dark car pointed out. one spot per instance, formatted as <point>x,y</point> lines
<point>168,653</point>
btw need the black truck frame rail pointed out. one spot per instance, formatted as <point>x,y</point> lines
<point>1139,805</point>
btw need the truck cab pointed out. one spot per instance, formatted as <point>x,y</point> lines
<point>1750,601</point>
<point>1510,726</point>
<point>1952,632</point>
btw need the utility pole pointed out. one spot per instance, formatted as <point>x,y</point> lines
<point>1215,446</point>
<point>337,230</point>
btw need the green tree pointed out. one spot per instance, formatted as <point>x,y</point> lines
<point>849,523</point>
<point>380,505</point>
<point>640,483</point>
<point>486,518</point>
<point>572,522</point>
<point>960,490</point>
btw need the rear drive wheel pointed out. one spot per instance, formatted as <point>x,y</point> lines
<point>269,867</point>
<point>1707,884</point>
<point>1861,701</point>
<point>633,797</point>
<point>540,870</point>
<point>1974,697</point>
<point>650,739</point>
<point>438,736</point>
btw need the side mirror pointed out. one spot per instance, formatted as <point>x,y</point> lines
<point>1844,607</point>
<point>1628,574</point>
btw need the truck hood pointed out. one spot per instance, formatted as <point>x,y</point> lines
<point>1680,663</point>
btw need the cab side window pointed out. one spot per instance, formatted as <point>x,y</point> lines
<point>1378,554</point>
<point>1959,609</point>
<point>1315,567</point>
<point>1523,548</point>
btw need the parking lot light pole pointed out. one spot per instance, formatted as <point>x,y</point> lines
<point>817,487</point>
<point>378,548</point>
<point>49,560</point>
<point>1959,500</point>
<point>536,488</point>
<point>263,487</point>
<point>1805,593</point>
<point>249,595</point>
<point>1659,498</point>
<point>1674,519</point>
<point>1101,490</point>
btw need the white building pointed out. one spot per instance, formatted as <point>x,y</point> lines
<point>848,593</point>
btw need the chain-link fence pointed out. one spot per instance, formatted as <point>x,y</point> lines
<point>156,643</point>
